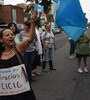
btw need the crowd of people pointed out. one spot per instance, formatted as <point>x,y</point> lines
<point>41,47</point>
<point>30,46</point>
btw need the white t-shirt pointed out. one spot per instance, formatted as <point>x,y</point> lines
<point>39,46</point>
<point>48,38</point>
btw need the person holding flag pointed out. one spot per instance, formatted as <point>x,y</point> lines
<point>82,51</point>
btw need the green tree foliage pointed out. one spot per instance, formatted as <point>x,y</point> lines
<point>50,18</point>
<point>47,8</point>
<point>45,3</point>
<point>49,15</point>
<point>28,9</point>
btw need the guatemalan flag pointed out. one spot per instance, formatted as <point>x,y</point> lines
<point>69,16</point>
<point>39,8</point>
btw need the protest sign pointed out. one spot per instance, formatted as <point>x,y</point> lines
<point>12,81</point>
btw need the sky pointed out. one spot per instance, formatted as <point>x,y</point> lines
<point>84,3</point>
<point>13,2</point>
<point>86,8</point>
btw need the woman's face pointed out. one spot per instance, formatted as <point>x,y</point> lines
<point>26,28</point>
<point>13,28</point>
<point>48,27</point>
<point>8,37</point>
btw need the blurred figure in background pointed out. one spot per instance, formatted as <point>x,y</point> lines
<point>13,27</point>
<point>38,52</point>
<point>72,48</point>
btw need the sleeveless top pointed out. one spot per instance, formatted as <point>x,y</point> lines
<point>29,95</point>
<point>11,62</point>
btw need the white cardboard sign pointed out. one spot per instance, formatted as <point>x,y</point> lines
<point>12,81</point>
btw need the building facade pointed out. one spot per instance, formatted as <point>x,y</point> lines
<point>9,13</point>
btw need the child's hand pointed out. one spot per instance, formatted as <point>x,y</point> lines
<point>84,41</point>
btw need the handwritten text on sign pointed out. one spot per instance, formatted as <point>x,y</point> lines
<point>12,81</point>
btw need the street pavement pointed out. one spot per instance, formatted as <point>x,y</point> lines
<point>65,83</point>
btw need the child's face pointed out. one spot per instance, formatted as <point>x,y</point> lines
<point>83,34</point>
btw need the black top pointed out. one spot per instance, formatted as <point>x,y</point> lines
<point>10,63</point>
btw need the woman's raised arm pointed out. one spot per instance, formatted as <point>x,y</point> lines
<point>22,46</point>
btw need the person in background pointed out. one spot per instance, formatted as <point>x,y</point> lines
<point>38,51</point>
<point>29,54</point>
<point>13,27</point>
<point>48,42</point>
<point>72,48</point>
<point>82,51</point>
<point>9,59</point>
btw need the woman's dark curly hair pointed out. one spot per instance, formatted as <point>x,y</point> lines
<point>1,33</point>
<point>2,48</point>
<point>12,23</point>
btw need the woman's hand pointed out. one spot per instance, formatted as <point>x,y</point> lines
<point>54,45</point>
<point>45,48</point>
<point>33,17</point>
<point>55,48</point>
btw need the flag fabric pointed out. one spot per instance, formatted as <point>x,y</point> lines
<point>39,8</point>
<point>70,18</point>
<point>55,1</point>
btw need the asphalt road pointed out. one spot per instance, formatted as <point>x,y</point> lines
<point>65,83</point>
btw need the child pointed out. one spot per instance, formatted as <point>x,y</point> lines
<point>82,51</point>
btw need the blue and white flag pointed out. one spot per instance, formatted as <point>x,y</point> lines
<point>39,8</point>
<point>55,1</point>
<point>69,17</point>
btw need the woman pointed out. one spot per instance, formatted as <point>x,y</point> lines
<point>38,52</point>
<point>82,51</point>
<point>30,51</point>
<point>13,27</point>
<point>10,56</point>
<point>48,41</point>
